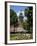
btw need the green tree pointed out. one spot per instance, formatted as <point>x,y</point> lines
<point>13,18</point>
<point>28,14</point>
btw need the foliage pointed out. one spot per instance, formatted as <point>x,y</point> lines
<point>28,14</point>
<point>13,18</point>
<point>24,25</point>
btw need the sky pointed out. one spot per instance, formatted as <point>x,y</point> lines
<point>17,8</point>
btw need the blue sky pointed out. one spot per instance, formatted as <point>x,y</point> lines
<point>17,8</point>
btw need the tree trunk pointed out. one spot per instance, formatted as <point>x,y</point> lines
<point>14,27</point>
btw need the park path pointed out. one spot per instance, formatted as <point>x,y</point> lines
<point>17,29</point>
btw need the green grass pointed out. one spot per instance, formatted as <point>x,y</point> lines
<point>20,36</point>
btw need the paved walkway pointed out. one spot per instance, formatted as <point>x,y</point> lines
<point>17,29</point>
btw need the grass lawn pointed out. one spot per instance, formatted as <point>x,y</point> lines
<point>20,36</point>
